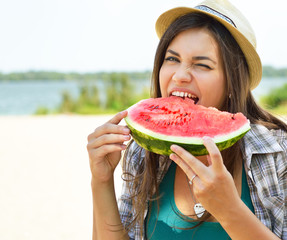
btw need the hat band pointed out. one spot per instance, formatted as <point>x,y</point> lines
<point>216,13</point>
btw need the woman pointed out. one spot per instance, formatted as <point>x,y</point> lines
<point>208,52</point>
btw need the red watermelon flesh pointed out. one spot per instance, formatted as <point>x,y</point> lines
<point>179,120</point>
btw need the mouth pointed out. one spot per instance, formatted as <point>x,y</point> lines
<point>185,95</point>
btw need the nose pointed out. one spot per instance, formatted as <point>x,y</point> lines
<point>182,75</point>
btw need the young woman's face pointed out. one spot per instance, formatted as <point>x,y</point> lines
<point>193,68</point>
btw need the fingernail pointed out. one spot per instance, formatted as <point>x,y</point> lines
<point>173,147</point>
<point>126,130</point>
<point>127,137</point>
<point>172,156</point>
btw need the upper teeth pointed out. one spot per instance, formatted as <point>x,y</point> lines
<point>183,94</point>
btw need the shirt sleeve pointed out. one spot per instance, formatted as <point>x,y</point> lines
<point>133,158</point>
<point>125,208</point>
<point>282,177</point>
<point>266,163</point>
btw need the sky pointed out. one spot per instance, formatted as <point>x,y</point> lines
<point>112,35</point>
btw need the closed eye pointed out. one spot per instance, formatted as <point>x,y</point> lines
<point>203,65</point>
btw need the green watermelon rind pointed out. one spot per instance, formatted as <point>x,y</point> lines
<point>160,144</point>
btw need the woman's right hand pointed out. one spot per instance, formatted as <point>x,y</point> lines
<point>105,145</point>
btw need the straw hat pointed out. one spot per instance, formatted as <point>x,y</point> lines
<point>227,14</point>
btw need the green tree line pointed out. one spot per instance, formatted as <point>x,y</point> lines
<point>276,100</point>
<point>268,71</point>
<point>45,75</point>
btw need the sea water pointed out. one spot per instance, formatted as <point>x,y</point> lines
<point>24,97</point>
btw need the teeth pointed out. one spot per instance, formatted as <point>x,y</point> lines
<point>183,94</point>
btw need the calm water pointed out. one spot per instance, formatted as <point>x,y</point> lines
<point>19,98</point>
<point>22,98</point>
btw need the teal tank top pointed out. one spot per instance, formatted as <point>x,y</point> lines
<point>171,226</point>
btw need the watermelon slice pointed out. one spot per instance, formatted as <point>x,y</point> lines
<point>157,123</point>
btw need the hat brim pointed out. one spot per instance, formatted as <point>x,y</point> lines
<point>252,57</point>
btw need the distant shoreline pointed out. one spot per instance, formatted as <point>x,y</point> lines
<point>268,72</point>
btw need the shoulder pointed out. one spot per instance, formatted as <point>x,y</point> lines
<point>262,140</point>
<point>281,137</point>
<point>265,149</point>
<point>266,163</point>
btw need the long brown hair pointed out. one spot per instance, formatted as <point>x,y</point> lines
<point>144,185</point>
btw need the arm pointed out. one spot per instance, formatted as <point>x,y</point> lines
<point>240,223</point>
<point>215,189</point>
<point>106,219</point>
<point>104,147</point>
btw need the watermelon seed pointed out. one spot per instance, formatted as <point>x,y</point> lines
<point>156,107</point>
<point>233,117</point>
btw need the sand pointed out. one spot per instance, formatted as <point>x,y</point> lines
<point>45,177</point>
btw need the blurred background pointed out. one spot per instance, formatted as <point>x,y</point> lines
<point>65,68</point>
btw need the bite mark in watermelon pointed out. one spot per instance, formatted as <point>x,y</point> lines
<point>157,123</point>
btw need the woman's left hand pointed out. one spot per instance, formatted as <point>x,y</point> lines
<point>213,185</point>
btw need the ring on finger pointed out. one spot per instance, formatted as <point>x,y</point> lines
<point>192,178</point>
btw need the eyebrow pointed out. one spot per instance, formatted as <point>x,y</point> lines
<point>203,58</point>
<point>173,52</point>
<point>193,58</point>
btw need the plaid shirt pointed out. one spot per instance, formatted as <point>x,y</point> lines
<point>265,158</point>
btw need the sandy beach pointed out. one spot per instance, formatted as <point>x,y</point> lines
<point>45,177</point>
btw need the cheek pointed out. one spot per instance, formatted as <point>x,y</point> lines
<point>218,93</point>
<point>213,92</point>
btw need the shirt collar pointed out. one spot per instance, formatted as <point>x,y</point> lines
<point>259,140</point>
